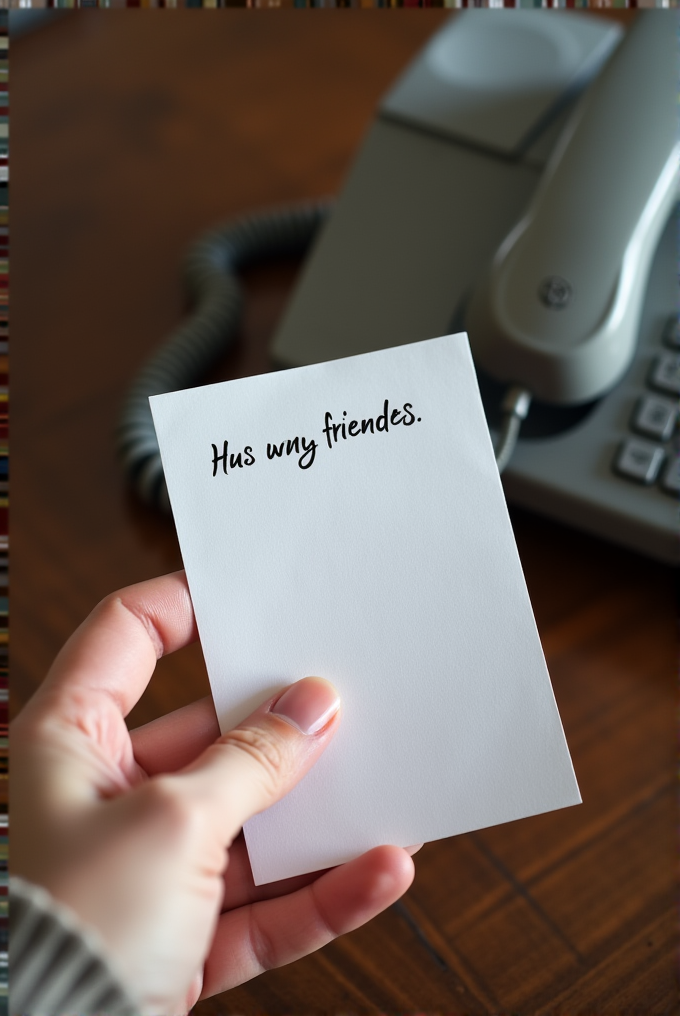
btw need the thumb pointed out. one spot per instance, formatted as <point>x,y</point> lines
<point>259,761</point>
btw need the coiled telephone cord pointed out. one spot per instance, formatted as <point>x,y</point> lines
<point>211,276</point>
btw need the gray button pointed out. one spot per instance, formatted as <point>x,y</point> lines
<point>671,478</point>
<point>671,333</point>
<point>665,373</point>
<point>655,416</point>
<point>639,460</point>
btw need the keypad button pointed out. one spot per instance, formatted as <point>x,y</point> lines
<point>671,333</point>
<point>655,416</point>
<point>665,373</point>
<point>639,460</point>
<point>671,478</point>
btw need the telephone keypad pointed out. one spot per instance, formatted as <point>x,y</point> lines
<point>665,373</point>
<point>655,417</point>
<point>640,460</point>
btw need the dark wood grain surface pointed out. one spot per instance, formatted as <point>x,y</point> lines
<point>132,132</point>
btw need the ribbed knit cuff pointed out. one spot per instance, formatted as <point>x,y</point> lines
<point>57,966</point>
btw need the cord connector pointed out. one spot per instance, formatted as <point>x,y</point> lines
<point>515,406</point>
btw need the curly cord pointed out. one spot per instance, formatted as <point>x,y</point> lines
<point>210,274</point>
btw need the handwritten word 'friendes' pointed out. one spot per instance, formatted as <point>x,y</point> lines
<point>345,429</point>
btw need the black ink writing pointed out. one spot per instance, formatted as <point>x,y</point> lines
<point>230,460</point>
<point>306,450</point>
<point>380,423</point>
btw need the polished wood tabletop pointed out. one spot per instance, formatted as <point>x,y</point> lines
<point>132,132</point>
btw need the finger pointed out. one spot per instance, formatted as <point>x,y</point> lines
<point>114,651</point>
<point>174,741</point>
<point>254,765</point>
<point>239,888</point>
<point>274,932</point>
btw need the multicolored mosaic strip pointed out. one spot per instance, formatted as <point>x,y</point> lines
<point>4,496</point>
<point>455,4</point>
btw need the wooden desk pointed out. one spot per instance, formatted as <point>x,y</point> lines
<point>133,131</point>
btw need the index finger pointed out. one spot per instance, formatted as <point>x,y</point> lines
<point>173,741</point>
<point>115,649</point>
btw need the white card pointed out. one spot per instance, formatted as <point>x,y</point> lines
<point>378,555</point>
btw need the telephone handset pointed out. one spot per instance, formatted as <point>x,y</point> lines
<point>519,181</point>
<point>560,307</point>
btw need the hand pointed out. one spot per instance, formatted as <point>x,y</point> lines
<point>138,833</point>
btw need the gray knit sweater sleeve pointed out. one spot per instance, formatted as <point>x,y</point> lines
<point>57,966</point>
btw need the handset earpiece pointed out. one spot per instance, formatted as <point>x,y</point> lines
<point>559,309</point>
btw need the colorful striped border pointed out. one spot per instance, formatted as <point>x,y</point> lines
<point>454,4</point>
<point>4,496</point>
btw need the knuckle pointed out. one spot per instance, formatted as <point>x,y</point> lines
<point>326,928</point>
<point>124,600</point>
<point>107,606</point>
<point>261,945</point>
<point>262,747</point>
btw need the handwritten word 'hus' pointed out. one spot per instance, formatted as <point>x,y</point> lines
<point>383,422</point>
<point>230,460</point>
